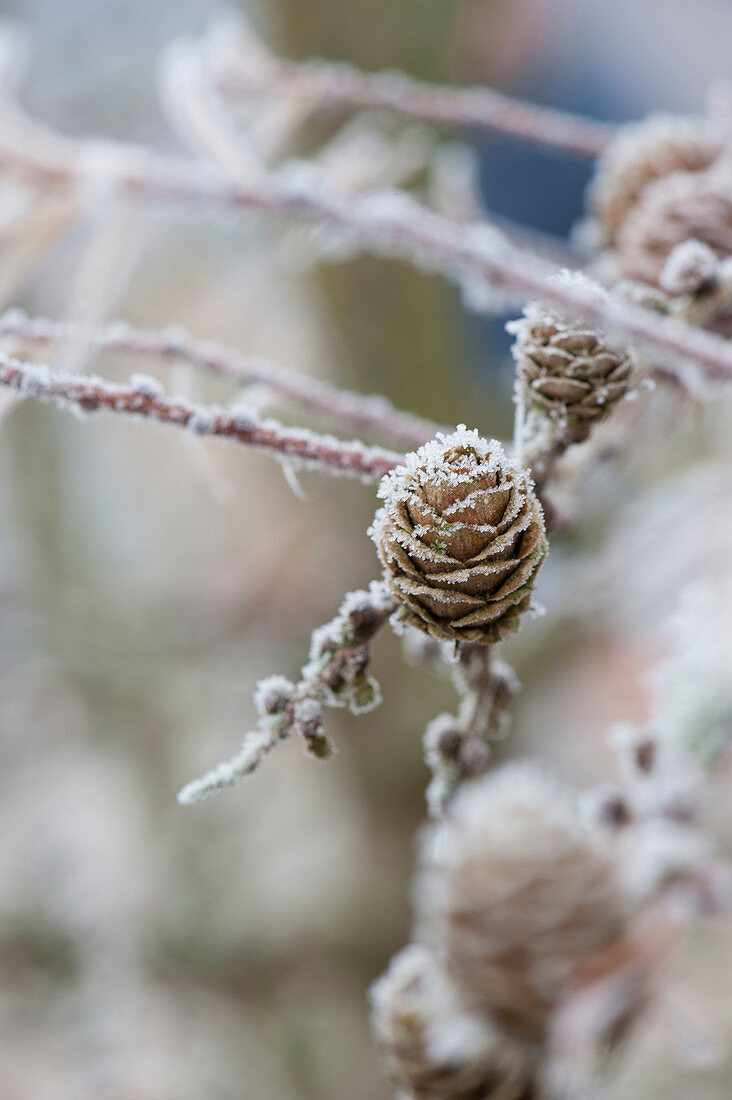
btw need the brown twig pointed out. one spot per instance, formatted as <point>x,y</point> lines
<point>90,394</point>
<point>347,651</point>
<point>357,411</point>
<point>391,225</point>
<point>336,83</point>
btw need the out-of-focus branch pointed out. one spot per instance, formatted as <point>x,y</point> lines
<point>386,224</point>
<point>339,84</point>
<point>391,225</point>
<point>296,445</point>
<point>356,411</point>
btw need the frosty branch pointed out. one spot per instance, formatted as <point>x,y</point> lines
<point>335,675</point>
<point>357,411</point>
<point>340,84</point>
<point>296,445</point>
<point>392,225</point>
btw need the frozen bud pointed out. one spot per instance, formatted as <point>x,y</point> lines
<point>273,694</point>
<point>607,806</point>
<point>672,210</point>
<point>642,153</point>
<point>361,613</point>
<point>431,1047</point>
<point>691,268</point>
<point>201,421</point>
<point>461,538</point>
<point>243,417</point>
<point>364,695</point>
<point>307,720</point>
<point>443,739</point>
<point>516,894</point>
<point>637,749</point>
<point>641,294</point>
<point>145,385</point>
<point>568,371</point>
<point>475,757</point>
<point>326,640</point>
<point>657,853</point>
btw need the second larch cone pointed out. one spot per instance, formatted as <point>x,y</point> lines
<point>683,206</point>
<point>461,537</point>
<point>567,371</point>
<point>643,152</point>
<point>517,895</point>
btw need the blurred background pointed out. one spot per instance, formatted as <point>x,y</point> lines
<point>148,579</point>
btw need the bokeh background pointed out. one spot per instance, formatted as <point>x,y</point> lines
<point>148,579</point>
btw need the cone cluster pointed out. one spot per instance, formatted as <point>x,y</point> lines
<point>520,903</point>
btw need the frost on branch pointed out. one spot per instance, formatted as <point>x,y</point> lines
<point>458,747</point>
<point>336,675</point>
<point>359,412</point>
<point>83,395</point>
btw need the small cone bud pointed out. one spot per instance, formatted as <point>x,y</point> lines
<point>567,371</point>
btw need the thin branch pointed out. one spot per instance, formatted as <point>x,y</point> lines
<point>386,224</point>
<point>394,225</point>
<point>335,675</point>
<point>458,747</point>
<point>296,445</point>
<point>339,84</point>
<point>358,412</point>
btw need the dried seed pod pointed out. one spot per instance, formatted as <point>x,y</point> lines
<point>678,208</point>
<point>567,370</point>
<point>644,152</point>
<point>431,1047</point>
<point>516,894</point>
<point>461,538</point>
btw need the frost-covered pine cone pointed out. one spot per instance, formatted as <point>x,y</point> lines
<point>644,152</point>
<point>516,895</point>
<point>681,207</point>
<point>431,1047</point>
<point>566,370</point>
<point>461,537</point>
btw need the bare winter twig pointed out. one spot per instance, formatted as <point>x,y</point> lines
<point>357,411</point>
<point>295,445</point>
<point>335,675</point>
<point>394,225</point>
<point>339,84</point>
